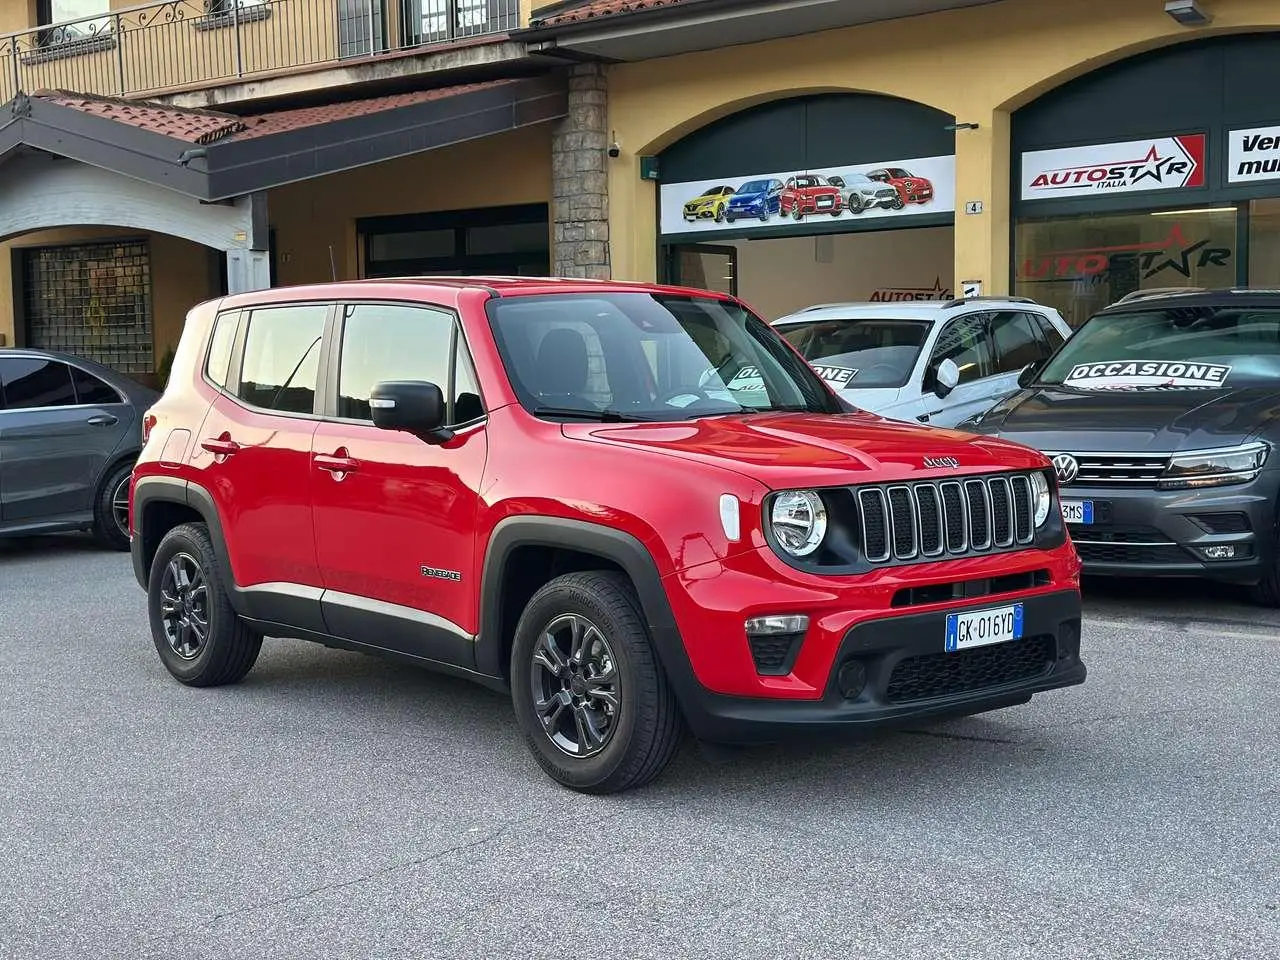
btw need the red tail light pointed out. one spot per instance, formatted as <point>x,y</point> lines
<point>148,421</point>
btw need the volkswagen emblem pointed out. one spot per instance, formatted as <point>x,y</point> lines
<point>1066,467</point>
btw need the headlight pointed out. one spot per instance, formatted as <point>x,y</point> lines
<point>798,521</point>
<point>1040,490</point>
<point>1214,468</point>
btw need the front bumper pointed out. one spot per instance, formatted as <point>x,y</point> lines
<point>1164,533</point>
<point>909,678</point>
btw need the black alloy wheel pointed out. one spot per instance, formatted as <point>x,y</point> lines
<point>575,685</point>
<point>184,606</point>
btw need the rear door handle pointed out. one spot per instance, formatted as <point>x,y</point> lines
<point>335,463</point>
<point>922,417</point>
<point>221,446</point>
<point>103,420</point>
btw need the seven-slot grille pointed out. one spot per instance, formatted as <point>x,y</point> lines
<point>1118,469</point>
<point>906,521</point>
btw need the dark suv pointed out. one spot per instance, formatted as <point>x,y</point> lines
<point>70,429</point>
<point>1161,415</point>
<point>565,490</point>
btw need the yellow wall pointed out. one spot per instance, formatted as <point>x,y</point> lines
<point>181,276</point>
<point>977,64</point>
<point>309,216</point>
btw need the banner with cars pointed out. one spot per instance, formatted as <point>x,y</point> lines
<point>901,188</point>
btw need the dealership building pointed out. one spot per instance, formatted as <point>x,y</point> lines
<point>791,153</point>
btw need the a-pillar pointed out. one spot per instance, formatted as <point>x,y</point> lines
<point>249,267</point>
<point>580,185</point>
<point>983,172</point>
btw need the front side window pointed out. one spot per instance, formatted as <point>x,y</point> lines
<point>393,342</point>
<point>1172,348</point>
<point>965,342</point>
<point>647,356</point>
<point>32,382</point>
<point>282,358</point>
<point>860,354</point>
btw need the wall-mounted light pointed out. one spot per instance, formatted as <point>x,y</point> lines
<point>961,126</point>
<point>1187,12</point>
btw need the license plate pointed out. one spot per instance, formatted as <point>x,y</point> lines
<point>983,627</point>
<point>1077,511</point>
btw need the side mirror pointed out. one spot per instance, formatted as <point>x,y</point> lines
<point>414,406</point>
<point>1027,375</point>
<point>946,377</point>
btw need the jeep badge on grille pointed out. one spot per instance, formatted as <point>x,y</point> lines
<point>951,462</point>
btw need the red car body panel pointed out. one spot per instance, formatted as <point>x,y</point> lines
<point>823,198</point>
<point>911,188</point>
<point>288,520</point>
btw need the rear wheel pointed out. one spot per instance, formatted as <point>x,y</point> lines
<point>589,694</point>
<point>200,639</point>
<point>111,509</point>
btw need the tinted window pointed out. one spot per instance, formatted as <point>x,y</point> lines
<point>91,390</point>
<point>218,364</point>
<point>381,342</point>
<point>35,382</point>
<point>1016,341</point>
<point>1050,333</point>
<point>282,357</point>
<point>859,354</point>
<point>965,343</point>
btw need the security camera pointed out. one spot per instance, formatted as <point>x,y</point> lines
<point>615,150</point>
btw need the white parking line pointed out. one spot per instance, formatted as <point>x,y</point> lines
<point>1206,628</point>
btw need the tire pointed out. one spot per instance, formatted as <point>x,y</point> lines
<point>230,648</point>
<point>1267,590</point>
<point>110,529</point>
<point>730,216</point>
<point>641,735</point>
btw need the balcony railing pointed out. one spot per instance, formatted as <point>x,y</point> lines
<point>184,44</point>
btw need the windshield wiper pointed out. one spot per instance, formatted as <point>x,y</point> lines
<point>600,416</point>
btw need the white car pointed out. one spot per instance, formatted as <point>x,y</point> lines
<point>931,361</point>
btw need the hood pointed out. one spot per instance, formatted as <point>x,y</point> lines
<point>1139,421</point>
<point>832,190</point>
<point>702,201</point>
<point>801,450</point>
<point>741,199</point>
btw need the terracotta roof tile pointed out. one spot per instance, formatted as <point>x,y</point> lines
<point>284,120</point>
<point>597,9</point>
<point>190,126</point>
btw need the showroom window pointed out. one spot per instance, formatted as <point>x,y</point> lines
<point>1081,264</point>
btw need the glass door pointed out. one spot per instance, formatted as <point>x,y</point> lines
<point>704,266</point>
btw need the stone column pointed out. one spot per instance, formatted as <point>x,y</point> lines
<point>580,184</point>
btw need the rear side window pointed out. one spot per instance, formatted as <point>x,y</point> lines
<point>31,382</point>
<point>1016,341</point>
<point>90,391</point>
<point>1050,333</point>
<point>282,358</point>
<point>218,364</point>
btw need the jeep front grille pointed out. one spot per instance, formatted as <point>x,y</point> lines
<point>909,521</point>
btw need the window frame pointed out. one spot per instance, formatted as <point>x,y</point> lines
<point>983,317</point>
<point>232,387</point>
<point>330,374</point>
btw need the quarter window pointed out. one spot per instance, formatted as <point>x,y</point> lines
<point>391,342</point>
<point>965,343</point>
<point>1016,341</point>
<point>218,364</point>
<point>29,382</point>
<point>90,391</point>
<point>282,358</point>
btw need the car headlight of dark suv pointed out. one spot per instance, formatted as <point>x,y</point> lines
<point>1214,468</point>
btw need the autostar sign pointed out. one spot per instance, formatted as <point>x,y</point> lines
<point>1159,163</point>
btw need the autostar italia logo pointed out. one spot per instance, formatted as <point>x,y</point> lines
<point>1162,163</point>
<point>1174,254</point>
<point>939,291</point>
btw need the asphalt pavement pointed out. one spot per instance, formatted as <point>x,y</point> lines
<point>337,806</point>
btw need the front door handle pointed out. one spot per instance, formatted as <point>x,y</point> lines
<point>337,463</point>
<point>103,420</point>
<point>922,417</point>
<point>223,446</point>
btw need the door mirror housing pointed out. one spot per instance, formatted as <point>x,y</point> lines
<point>945,377</point>
<point>1028,374</point>
<point>413,406</point>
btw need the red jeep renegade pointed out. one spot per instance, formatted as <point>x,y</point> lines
<point>633,507</point>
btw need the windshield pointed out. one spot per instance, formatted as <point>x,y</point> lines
<point>1201,347</point>
<point>648,356</point>
<point>860,354</point>
<point>755,186</point>
<point>810,182</point>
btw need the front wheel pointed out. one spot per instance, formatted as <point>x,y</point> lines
<point>200,639</point>
<point>591,698</point>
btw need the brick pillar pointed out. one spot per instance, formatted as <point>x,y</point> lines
<point>579,181</point>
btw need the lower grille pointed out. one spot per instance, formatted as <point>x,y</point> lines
<point>946,674</point>
<point>773,654</point>
<point>1155,554</point>
<point>1221,522</point>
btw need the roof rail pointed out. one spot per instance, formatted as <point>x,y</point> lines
<point>1158,292</point>
<point>829,306</point>
<point>961,301</point>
